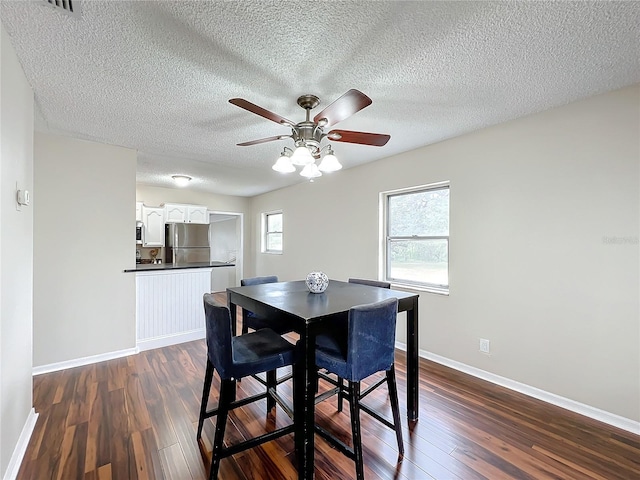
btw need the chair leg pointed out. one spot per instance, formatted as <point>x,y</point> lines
<point>271,383</point>
<point>395,409</point>
<point>340,392</point>
<point>226,387</point>
<point>354,410</point>
<point>206,389</point>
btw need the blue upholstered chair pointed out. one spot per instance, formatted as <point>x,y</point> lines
<point>255,322</point>
<point>234,357</point>
<point>367,348</point>
<point>339,327</point>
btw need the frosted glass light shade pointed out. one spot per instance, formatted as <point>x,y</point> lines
<point>329,163</point>
<point>302,156</point>
<point>311,171</point>
<point>181,180</point>
<point>284,165</point>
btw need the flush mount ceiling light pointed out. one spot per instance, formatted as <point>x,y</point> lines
<point>308,135</point>
<point>181,180</point>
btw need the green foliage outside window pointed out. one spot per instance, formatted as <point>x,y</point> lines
<point>418,237</point>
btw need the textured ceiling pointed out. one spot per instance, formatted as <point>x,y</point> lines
<point>157,76</point>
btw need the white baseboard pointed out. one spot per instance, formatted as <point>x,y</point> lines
<point>21,447</point>
<point>78,362</point>
<point>158,342</point>
<point>577,407</point>
<point>141,346</point>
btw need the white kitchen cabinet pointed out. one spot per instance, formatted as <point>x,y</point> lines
<point>175,212</point>
<point>138,211</point>
<point>184,213</point>
<point>153,219</point>
<point>197,214</point>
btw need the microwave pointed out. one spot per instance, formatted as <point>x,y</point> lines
<point>139,230</point>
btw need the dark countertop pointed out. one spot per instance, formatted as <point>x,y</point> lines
<point>150,267</point>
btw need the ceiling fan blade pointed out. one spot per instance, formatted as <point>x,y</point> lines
<point>263,140</point>
<point>351,102</point>
<point>253,108</point>
<point>363,138</point>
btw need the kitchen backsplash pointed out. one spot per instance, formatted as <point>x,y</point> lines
<point>145,252</point>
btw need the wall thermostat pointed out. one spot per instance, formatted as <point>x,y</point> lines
<point>24,198</point>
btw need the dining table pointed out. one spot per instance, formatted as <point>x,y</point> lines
<point>310,314</point>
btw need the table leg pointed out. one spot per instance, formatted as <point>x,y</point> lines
<point>412,362</point>
<point>233,311</point>
<point>304,410</point>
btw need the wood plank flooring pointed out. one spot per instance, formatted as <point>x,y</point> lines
<point>136,418</point>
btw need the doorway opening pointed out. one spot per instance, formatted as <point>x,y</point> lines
<point>226,232</point>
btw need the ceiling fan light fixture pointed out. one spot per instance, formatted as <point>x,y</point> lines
<point>302,156</point>
<point>311,171</point>
<point>329,163</point>
<point>308,134</point>
<point>283,164</point>
<point>181,180</point>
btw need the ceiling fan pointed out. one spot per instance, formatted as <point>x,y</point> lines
<point>308,134</point>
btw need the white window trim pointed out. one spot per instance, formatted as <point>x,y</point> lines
<point>382,237</point>
<point>263,236</point>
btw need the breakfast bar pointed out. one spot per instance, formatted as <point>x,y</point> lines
<point>169,302</point>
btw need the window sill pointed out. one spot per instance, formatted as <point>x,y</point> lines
<point>418,288</point>
<point>271,252</point>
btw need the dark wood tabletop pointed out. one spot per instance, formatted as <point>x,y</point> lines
<point>295,300</point>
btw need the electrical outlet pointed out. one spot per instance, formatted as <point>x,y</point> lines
<point>484,345</point>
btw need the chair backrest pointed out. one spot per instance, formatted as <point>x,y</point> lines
<point>245,282</point>
<point>218,324</point>
<point>372,338</point>
<point>371,283</point>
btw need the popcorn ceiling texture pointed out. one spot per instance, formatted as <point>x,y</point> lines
<point>157,76</point>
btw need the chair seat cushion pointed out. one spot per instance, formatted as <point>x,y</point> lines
<point>260,351</point>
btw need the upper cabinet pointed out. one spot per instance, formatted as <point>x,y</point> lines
<point>175,212</point>
<point>197,214</point>
<point>183,213</point>
<point>153,219</point>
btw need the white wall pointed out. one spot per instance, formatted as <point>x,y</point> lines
<point>16,251</point>
<point>534,205</point>
<point>84,304</point>
<point>225,242</point>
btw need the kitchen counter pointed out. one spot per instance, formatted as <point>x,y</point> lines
<point>147,267</point>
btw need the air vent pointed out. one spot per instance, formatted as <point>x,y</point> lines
<point>70,7</point>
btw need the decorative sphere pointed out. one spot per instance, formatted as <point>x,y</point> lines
<point>317,282</point>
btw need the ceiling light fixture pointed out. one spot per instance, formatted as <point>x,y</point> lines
<point>283,164</point>
<point>302,156</point>
<point>308,134</point>
<point>181,180</point>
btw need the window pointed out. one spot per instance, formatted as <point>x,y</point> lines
<point>417,237</point>
<point>272,232</point>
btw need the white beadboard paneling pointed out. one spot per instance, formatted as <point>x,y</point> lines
<point>169,303</point>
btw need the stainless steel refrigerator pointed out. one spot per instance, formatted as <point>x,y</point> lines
<point>186,243</point>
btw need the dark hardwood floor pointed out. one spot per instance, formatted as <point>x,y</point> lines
<point>136,418</point>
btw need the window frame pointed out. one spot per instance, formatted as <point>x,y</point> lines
<point>266,232</point>
<point>386,239</point>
